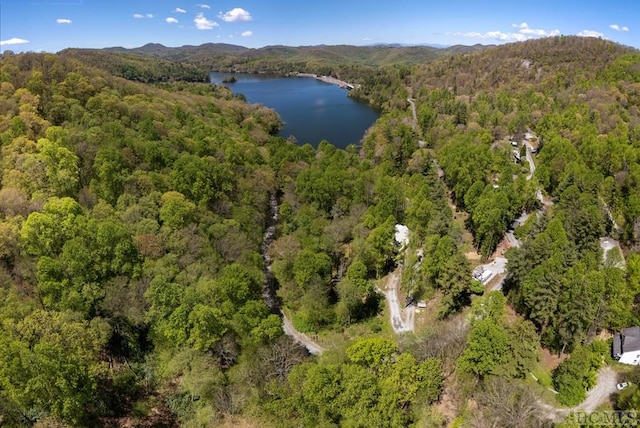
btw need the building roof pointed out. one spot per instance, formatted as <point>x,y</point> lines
<point>627,341</point>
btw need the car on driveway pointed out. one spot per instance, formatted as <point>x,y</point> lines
<point>622,386</point>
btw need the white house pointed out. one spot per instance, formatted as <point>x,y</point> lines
<point>402,235</point>
<point>626,346</point>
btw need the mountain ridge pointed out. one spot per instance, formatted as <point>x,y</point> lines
<point>281,58</point>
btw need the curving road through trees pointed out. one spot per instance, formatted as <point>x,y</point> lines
<point>596,396</point>
<point>402,319</point>
<point>299,337</point>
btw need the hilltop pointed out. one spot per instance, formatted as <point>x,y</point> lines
<point>222,56</point>
<point>137,67</point>
<point>541,63</point>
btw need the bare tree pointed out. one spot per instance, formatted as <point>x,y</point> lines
<point>277,361</point>
<point>445,341</point>
<point>507,403</point>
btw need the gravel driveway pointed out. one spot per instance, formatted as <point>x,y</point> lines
<point>599,394</point>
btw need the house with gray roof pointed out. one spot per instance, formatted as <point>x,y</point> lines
<point>626,346</point>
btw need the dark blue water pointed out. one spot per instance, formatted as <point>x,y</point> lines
<point>311,110</point>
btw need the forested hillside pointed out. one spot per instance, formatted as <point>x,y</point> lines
<point>579,97</point>
<point>135,261</point>
<point>132,221</point>
<point>221,56</point>
<point>138,68</point>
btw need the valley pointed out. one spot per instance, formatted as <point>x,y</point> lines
<point>170,258</point>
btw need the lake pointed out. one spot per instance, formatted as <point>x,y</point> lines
<point>311,110</point>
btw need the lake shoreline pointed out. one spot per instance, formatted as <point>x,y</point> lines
<point>330,80</point>
<point>310,109</point>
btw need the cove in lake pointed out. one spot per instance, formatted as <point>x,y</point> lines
<point>311,110</point>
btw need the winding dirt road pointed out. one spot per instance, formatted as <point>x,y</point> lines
<point>597,396</point>
<point>402,319</point>
<point>532,165</point>
<point>413,111</point>
<point>299,337</point>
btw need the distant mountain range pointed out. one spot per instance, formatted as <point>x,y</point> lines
<point>162,50</point>
<point>222,56</point>
<point>155,62</point>
<point>404,45</point>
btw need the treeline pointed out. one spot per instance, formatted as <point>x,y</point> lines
<point>139,68</point>
<point>221,56</point>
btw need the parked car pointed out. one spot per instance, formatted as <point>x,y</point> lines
<point>622,386</point>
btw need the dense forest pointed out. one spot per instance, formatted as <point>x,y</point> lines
<point>143,283</point>
<point>137,68</point>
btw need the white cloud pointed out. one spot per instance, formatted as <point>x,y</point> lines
<point>63,21</point>
<point>179,10</point>
<point>618,27</point>
<point>204,6</point>
<point>523,28</point>
<point>141,16</point>
<point>499,35</point>
<point>202,23</point>
<point>171,20</point>
<point>149,15</point>
<point>13,41</point>
<point>590,33</point>
<point>523,32</point>
<point>496,35</point>
<point>236,14</point>
<point>246,33</point>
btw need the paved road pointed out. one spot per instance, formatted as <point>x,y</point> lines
<point>299,337</point>
<point>511,238</point>
<point>523,218</point>
<point>532,165</point>
<point>532,170</point>
<point>498,285</point>
<point>402,318</point>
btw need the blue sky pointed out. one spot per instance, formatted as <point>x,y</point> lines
<point>46,25</point>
